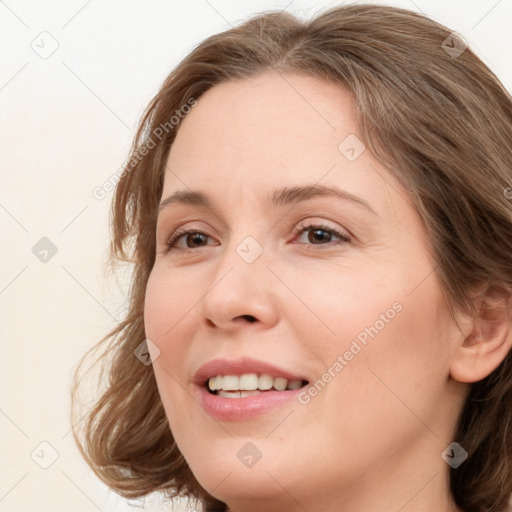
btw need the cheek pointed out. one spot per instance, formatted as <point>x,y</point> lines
<point>163,309</point>
<point>344,304</point>
<point>396,362</point>
<point>381,319</point>
<point>156,304</point>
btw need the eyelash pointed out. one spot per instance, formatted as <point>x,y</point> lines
<point>171,243</point>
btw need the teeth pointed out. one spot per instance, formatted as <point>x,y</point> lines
<point>215,383</point>
<point>230,383</point>
<point>294,384</point>
<point>234,386</point>
<point>280,383</point>
<point>237,394</point>
<point>248,381</point>
<point>265,382</point>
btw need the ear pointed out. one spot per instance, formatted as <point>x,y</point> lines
<point>487,338</point>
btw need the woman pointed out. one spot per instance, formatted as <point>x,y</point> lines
<point>319,220</point>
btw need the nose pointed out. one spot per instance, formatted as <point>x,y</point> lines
<point>240,293</point>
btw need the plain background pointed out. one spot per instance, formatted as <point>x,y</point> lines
<point>67,120</point>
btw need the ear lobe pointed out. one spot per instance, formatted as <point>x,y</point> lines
<point>489,340</point>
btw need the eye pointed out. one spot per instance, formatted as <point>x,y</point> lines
<point>195,236</point>
<point>318,234</point>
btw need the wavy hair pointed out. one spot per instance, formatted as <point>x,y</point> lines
<point>429,110</point>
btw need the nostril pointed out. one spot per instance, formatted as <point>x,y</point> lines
<point>249,318</point>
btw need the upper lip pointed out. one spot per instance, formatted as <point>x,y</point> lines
<point>240,367</point>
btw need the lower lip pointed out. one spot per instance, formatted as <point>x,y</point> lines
<point>233,409</point>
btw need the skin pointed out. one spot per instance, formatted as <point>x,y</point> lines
<point>372,439</point>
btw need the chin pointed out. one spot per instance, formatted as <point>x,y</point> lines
<point>240,467</point>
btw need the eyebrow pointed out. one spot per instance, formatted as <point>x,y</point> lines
<point>279,197</point>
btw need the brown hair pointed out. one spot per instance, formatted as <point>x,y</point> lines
<point>440,121</point>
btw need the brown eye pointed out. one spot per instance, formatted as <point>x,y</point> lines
<point>190,236</point>
<point>320,233</point>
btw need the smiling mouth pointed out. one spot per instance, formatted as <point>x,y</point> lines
<point>249,384</point>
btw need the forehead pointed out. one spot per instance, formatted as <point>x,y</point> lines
<point>271,115</point>
<point>274,125</point>
<point>247,138</point>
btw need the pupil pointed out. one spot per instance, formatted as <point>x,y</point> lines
<point>195,237</point>
<point>319,231</point>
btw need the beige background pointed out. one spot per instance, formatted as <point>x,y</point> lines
<point>67,119</point>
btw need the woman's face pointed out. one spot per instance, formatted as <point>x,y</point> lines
<point>283,287</point>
